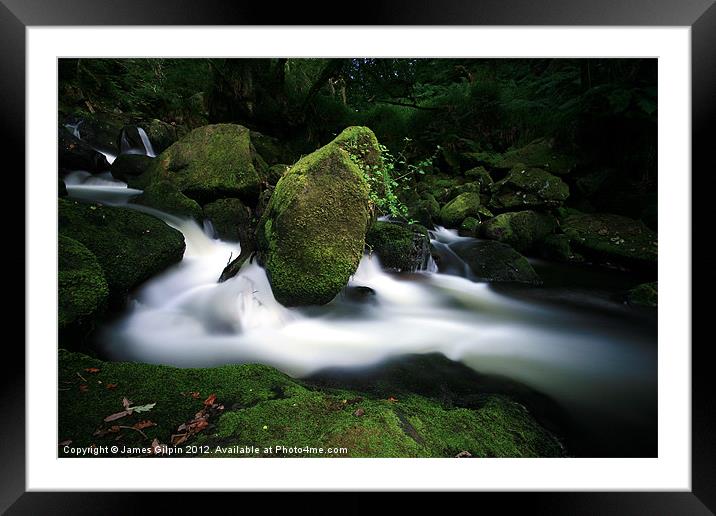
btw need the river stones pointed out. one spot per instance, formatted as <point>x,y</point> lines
<point>612,238</point>
<point>129,246</point>
<point>425,211</point>
<point>209,163</point>
<point>539,153</point>
<point>312,234</point>
<point>465,205</point>
<point>495,261</point>
<point>129,168</point>
<point>74,154</point>
<point>82,287</point>
<point>231,220</point>
<point>165,196</point>
<point>160,134</point>
<point>399,247</point>
<point>528,187</point>
<point>522,230</point>
<point>645,294</point>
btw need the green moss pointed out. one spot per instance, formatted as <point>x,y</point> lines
<point>311,235</point>
<point>464,205</point>
<point>605,236</point>
<point>129,246</point>
<point>438,186</point>
<point>425,210</point>
<point>645,294</point>
<point>558,248</point>
<point>522,230</point>
<point>265,408</point>
<point>470,225</point>
<point>161,134</point>
<point>211,162</point>
<point>82,287</point>
<point>481,176</point>
<point>166,197</point>
<point>526,187</point>
<point>495,261</point>
<point>540,154</point>
<point>399,247</point>
<point>231,219</point>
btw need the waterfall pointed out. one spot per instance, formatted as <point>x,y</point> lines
<point>148,149</point>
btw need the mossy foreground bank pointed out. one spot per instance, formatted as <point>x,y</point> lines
<point>255,410</point>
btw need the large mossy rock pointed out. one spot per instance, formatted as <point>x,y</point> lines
<point>526,187</point>
<point>539,154</point>
<point>128,167</point>
<point>495,261</point>
<point>522,230</point>
<point>311,235</point>
<point>209,163</point>
<point>399,247</point>
<point>465,205</point>
<point>100,129</point>
<point>438,186</point>
<point>129,246</point>
<point>82,287</point>
<point>264,408</point>
<point>165,196</point>
<point>557,247</point>
<point>425,210</point>
<point>611,238</point>
<point>231,220</point>
<point>74,154</point>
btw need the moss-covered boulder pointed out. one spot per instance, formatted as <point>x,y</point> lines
<point>129,246</point>
<point>161,134</point>
<point>470,226</point>
<point>130,167</point>
<point>557,247</point>
<point>399,247</point>
<point>231,219</point>
<point>465,205</point>
<point>611,238</point>
<point>100,129</point>
<point>522,229</point>
<point>495,261</point>
<point>481,176</point>
<point>251,408</point>
<point>165,196</point>
<point>311,235</point>
<point>645,294</point>
<point>425,211</point>
<point>82,287</point>
<point>209,163</point>
<point>271,149</point>
<point>539,154</point>
<point>526,187</point>
<point>438,186</point>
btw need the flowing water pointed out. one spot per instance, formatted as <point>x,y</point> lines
<point>572,340</point>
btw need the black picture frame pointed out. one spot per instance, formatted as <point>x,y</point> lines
<point>699,15</point>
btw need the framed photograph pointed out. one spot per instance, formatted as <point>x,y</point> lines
<point>346,257</point>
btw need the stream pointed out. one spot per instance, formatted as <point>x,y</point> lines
<point>573,341</point>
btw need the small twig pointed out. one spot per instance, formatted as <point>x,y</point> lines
<point>83,378</point>
<point>137,429</point>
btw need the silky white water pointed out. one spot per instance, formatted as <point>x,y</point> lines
<point>184,317</point>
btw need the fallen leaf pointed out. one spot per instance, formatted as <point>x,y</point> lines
<point>126,403</point>
<point>359,412</point>
<point>210,400</point>
<point>111,386</point>
<point>463,454</point>
<point>66,442</point>
<point>143,424</point>
<point>116,416</point>
<point>84,387</point>
<point>195,395</point>
<point>142,408</point>
<point>92,370</point>
<point>392,399</point>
